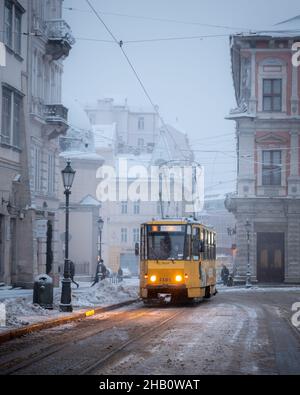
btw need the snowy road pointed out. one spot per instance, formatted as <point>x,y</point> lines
<point>237,332</point>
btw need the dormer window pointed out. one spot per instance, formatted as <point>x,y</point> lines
<point>272,95</point>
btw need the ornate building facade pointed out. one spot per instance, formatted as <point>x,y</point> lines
<point>36,40</point>
<point>267,88</point>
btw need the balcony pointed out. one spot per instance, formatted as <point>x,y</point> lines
<point>60,39</point>
<point>56,117</point>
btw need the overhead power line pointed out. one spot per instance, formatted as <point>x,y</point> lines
<point>164,20</point>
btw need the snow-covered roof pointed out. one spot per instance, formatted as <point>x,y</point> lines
<point>120,104</point>
<point>142,110</point>
<point>81,155</point>
<point>89,201</point>
<point>285,29</point>
<point>135,160</point>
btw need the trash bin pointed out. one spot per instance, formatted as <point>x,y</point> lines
<point>43,291</point>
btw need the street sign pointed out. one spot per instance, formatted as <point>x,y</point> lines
<point>41,228</point>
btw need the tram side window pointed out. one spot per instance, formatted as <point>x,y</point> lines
<point>214,247</point>
<point>209,246</point>
<point>204,244</point>
<point>196,244</point>
<point>143,243</point>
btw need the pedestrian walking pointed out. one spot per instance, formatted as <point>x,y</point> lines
<point>120,275</point>
<point>101,272</point>
<point>224,274</point>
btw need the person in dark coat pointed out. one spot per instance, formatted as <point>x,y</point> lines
<point>103,270</point>
<point>120,275</point>
<point>100,272</point>
<point>72,273</point>
<point>224,274</point>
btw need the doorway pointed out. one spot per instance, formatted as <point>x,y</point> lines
<point>270,257</point>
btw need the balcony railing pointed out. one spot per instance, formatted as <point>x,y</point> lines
<point>56,117</point>
<point>60,39</point>
<point>55,112</point>
<point>58,29</point>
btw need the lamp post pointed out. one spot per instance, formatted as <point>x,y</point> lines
<point>68,175</point>
<point>248,279</point>
<point>100,223</point>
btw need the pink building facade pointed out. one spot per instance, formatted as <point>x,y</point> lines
<point>267,88</point>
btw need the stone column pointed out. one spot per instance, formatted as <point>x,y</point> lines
<point>294,95</point>
<point>253,98</point>
<point>246,158</point>
<point>242,251</point>
<point>292,264</point>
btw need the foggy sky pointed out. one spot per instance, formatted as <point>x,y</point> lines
<point>190,80</point>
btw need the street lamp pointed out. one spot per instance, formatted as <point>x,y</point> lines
<point>248,280</point>
<point>100,223</point>
<point>68,175</point>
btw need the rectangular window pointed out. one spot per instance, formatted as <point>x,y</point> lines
<point>271,168</point>
<point>141,123</point>
<point>124,208</point>
<point>51,173</point>
<point>136,235</point>
<point>18,31</point>
<point>6,116</point>
<point>136,208</point>
<point>11,117</point>
<point>272,95</point>
<point>8,23</point>
<point>123,235</point>
<point>17,114</point>
<point>37,169</point>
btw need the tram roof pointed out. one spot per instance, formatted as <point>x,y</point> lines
<point>177,221</point>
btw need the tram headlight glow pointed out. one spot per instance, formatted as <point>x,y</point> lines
<point>178,278</point>
<point>153,278</point>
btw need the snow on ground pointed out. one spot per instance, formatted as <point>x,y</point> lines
<point>105,293</point>
<point>20,310</point>
<point>254,288</point>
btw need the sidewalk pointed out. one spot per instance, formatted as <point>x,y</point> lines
<point>23,317</point>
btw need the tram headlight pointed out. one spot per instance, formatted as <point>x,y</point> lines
<point>153,278</point>
<point>178,278</point>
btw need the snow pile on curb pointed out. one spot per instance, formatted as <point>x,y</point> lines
<point>21,311</point>
<point>105,293</point>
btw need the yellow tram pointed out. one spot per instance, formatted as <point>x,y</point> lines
<point>177,261</point>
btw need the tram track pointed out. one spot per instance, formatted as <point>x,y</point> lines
<point>116,322</point>
<point>114,352</point>
<point>53,349</point>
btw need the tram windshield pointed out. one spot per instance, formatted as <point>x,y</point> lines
<point>167,242</point>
